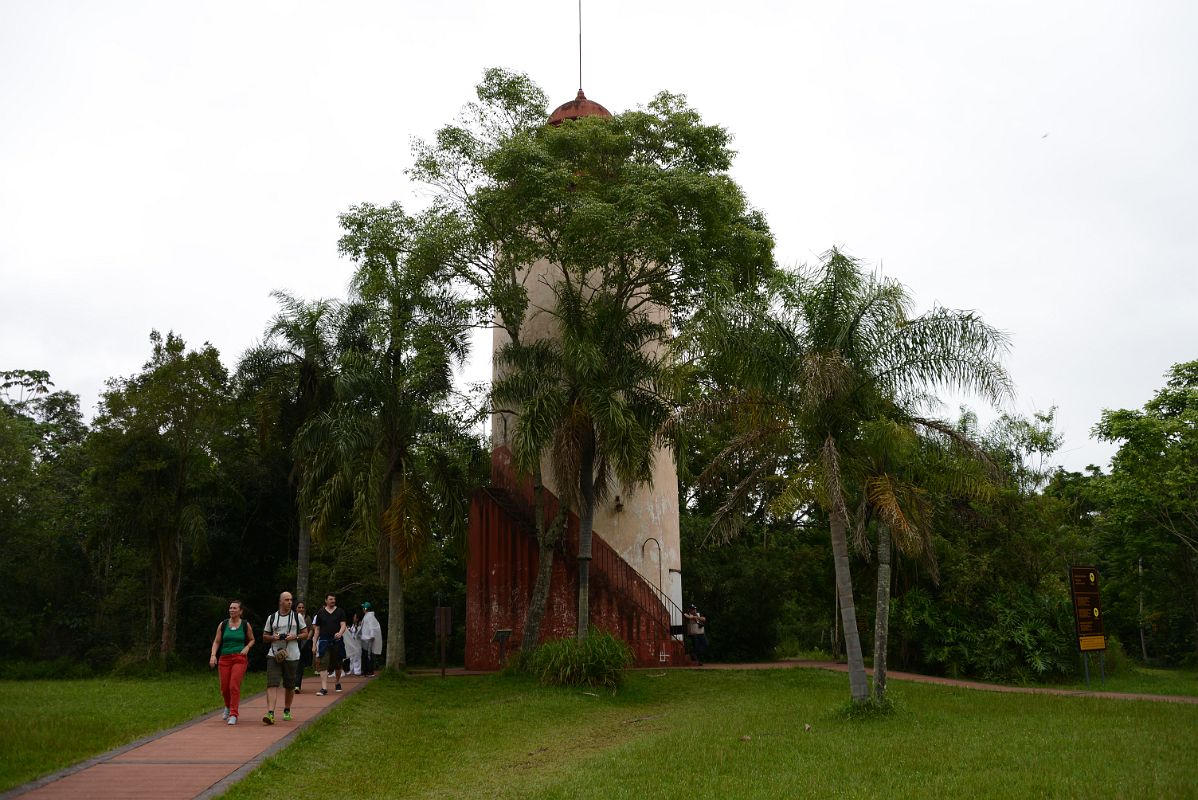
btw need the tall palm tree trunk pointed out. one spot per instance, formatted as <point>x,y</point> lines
<point>303,559</point>
<point>396,655</point>
<point>546,539</point>
<point>882,616</point>
<point>169,569</point>
<point>858,685</point>
<point>586,522</point>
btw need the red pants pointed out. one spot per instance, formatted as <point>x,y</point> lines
<point>232,670</point>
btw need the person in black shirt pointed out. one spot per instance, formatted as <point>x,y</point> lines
<point>327,647</point>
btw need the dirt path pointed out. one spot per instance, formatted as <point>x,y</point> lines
<point>898,676</point>
<point>198,759</point>
<point>978,685</point>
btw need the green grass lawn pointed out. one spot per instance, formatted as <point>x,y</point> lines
<point>1143,680</point>
<point>48,725</point>
<point>729,734</point>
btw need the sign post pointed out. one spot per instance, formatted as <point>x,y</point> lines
<point>1087,616</point>
<point>443,620</point>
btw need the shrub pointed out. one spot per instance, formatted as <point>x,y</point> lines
<point>102,657</point>
<point>1115,658</point>
<point>598,660</point>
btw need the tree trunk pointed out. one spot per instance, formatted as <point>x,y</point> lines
<point>858,685</point>
<point>153,638</point>
<point>547,534</point>
<point>396,655</point>
<point>303,559</point>
<point>1140,618</point>
<point>586,521</point>
<point>882,615</point>
<point>835,623</point>
<point>169,570</point>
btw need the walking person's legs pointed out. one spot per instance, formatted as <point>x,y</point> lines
<point>305,659</point>
<point>367,657</point>
<point>274,679</point>
<point>236,676</point>
<point>324,656</point>
<point>290,668</point>
<point>224,668</point>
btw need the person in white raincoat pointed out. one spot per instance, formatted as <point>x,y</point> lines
<point>353,645</point>
<point>371,637</point>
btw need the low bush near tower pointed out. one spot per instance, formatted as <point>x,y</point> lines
<point>598,660</point>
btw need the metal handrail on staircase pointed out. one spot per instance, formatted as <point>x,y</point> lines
<point>607,567</point>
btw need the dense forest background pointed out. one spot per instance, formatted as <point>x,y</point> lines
<point>82,507</point>
<point>339,454</point>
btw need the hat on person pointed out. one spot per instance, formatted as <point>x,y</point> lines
<point>366,605</point>
<point>692,605</point>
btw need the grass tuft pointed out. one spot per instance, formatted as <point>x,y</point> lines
<point>598,661</point>
<point>871,709</point>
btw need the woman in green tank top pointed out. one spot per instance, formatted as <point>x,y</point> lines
<point>230,647</point>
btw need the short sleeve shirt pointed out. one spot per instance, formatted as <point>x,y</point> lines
<point>328,623</point>
<point>281,626</point>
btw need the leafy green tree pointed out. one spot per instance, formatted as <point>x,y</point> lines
<point>152,449</point>
<point>999,609</point>
<point>290,375</point>
<point>391,447</point>
<point>42,521</point>
<point>832,349</point>
<point>1149,514</point>
<point>643,226</point>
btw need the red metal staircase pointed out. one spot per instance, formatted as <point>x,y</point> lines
<point>503,567</point>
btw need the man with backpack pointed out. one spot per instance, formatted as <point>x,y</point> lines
<point>283,631</point>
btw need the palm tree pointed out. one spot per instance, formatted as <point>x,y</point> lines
<point>594,399</point>
<point>906,462</point>
<point>390,447</point>
<point>290,376</point>
<point>530,386</point>
<point>826,351</point>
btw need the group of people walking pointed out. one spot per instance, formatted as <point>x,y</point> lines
<point>332,643</point>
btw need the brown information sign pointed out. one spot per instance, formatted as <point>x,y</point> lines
<point>1087,609</point>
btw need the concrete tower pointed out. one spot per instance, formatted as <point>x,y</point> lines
<point>641,525</point>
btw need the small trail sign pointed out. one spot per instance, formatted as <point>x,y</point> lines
<point>1087,609</point>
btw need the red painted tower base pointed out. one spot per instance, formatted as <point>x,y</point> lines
<point>502,570</point>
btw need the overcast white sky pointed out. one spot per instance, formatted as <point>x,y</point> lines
<point>166,165</point>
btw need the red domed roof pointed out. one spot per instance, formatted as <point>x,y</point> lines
<point>576,108</point>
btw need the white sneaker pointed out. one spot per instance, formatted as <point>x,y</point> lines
<point>225,714</point>
<point>232,720</point>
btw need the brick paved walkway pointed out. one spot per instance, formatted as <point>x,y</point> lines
<point>198,759</point>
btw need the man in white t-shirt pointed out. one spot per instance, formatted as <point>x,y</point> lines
<point>283,631</point>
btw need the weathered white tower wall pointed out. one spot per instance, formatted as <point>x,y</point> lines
<point>640,524</point>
